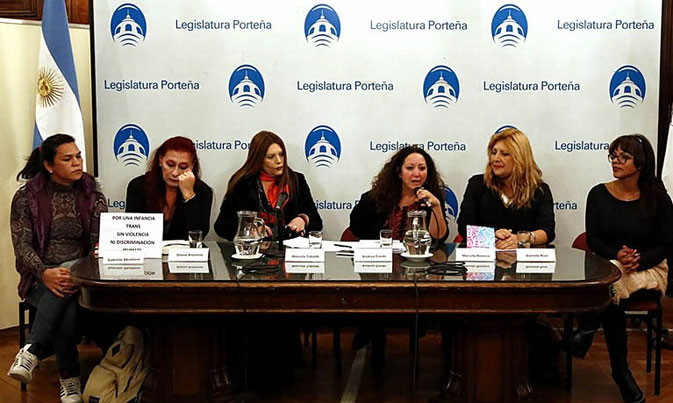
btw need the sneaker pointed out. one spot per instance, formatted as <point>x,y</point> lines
<point>24,365</point>
<point>71,390</point>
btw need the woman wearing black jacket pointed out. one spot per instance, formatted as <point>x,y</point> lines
<point>408,181</point>
<point>259,185</point>
<point>172,185</point>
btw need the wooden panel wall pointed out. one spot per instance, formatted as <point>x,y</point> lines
<point>78,10</point>
<point>666,80</point>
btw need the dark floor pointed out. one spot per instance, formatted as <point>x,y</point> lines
<point>591,376</point>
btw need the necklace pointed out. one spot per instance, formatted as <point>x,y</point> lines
<point>505,199</point>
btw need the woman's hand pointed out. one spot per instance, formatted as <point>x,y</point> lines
<point>297,225</point>
<point>504,239</point>
<point>268,230</point>
<point>186,182</point>
<point>58,281</point>
<point>629,258</point>
<point>425,194</point>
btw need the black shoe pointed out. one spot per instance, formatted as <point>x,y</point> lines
<point>667,341</point>
<point>579,343</point>
<point>628,387</point>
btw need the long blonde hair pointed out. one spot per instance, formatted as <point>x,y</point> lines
<point>526,176</point>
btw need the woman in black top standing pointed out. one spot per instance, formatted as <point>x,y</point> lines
<point>258,186</point>
<point>172,185</point>
<point>628,221</point>
<point>510,196</point>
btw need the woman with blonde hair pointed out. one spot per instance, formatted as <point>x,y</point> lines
<point>510,195</point>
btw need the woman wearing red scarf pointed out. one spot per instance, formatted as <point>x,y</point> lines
<point>257,185</point>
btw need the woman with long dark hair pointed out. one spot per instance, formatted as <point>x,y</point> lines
<point>172,185</point>
<point>405,183</point>
<point>409,181</point>
<point>628,221</point>
<point>55,219</point>
<point>510,195</point>
<point>258,186</point>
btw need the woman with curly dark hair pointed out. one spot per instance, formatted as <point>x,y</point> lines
<point>172,185</point>
<point>408,181</point>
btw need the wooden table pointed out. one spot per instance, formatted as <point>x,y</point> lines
<point>488,333</point>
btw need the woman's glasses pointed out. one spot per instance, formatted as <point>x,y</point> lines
<point>621,158</point>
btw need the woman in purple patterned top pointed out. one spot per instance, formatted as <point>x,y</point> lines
<point>55,219</point>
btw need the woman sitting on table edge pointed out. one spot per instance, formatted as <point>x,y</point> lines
<point>172,185</point>
<point>258,186</point>
<point>55,219</point>
<point>628,221</point>
<point>510,195</point>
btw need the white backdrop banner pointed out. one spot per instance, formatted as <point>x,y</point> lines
<point>349,83</point>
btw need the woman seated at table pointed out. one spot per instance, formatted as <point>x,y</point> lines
<point>172,185</point>
<point>263,180</point>
<point>409,181</point>
<point>510,196</point>
<point>628,221</point>
<point>54,220</point>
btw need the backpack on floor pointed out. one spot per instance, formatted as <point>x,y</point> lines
<point>120,375</point>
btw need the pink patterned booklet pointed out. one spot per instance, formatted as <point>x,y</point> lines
<point>480,237</point>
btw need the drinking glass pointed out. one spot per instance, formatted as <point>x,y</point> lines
<point>195,238</point>
<point>386,238</point>
<point>523,239</point>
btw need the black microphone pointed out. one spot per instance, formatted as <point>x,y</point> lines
<point>424,200</point>
<point>282,197</point>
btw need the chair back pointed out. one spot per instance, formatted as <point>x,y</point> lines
<point>347,235</point>
<point>581,242</point>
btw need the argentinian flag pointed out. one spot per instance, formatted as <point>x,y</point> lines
<point>57,108</point>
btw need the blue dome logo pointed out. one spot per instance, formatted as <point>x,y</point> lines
<point>451,203</point>
<point>246,86</point>
<point>322,147</point>
<point>627,87</point>
<point>322,26</point>
<point>505,127</point>
<point>441,87</point>
<point>509,27</point>
<point>127,25</point>
<point>131,145</point>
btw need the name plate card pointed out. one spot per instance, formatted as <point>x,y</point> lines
<point>304,255</point>
<point>122,257</point>
<point>188,255</point>
<point>475,254</point>
<point>304,267</point>
<point>373,255</point>
<point>536,254</point>
<point>374,267</point>
<point>151,269</point>
<point>131,232</point>
<point>188,267</point>
<point>535,267</point>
